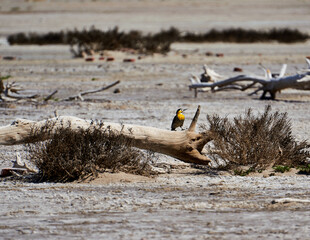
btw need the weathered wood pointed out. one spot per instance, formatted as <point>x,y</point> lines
<point>79,95</point>
<point>11,91</point>
<point>185,145</point>
<point>268,84</point>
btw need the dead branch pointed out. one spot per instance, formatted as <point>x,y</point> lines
<point>47,98</point>
<point>79,95</point>
<point>185,145</point>
<point>11,91</point>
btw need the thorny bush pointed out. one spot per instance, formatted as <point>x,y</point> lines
<point>77,154</point>
<point>255,141</point>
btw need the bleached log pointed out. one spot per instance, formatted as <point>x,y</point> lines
<point>185,145</point>
<point>268,84</point>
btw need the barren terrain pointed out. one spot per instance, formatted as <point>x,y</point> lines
<point>183,202</point>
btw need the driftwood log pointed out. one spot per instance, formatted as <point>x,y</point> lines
<point>268,84</point>
<point>185,145</point>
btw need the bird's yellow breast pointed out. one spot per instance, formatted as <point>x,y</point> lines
<point>181,116</point>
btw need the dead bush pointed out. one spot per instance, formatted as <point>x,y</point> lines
<point>93,39</point>
<point>255,141</point>
<point>77,154</point>
<point>239,35</point>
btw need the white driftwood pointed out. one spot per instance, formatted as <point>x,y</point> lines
<point>290,200</point>
<point>11,92</point>
<point>184,145</point>
<point>268,84</point>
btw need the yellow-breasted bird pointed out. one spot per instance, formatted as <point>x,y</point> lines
<point>178,119</point>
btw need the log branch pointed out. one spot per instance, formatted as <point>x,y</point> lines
<point>184,145</point>
<point>192,127</point>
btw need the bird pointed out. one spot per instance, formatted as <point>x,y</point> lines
<point>178,119</point>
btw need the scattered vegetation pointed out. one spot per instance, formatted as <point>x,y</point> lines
<point>5,77</point>
<point>113,39</point>
<point>97,40</point>
<point>239,35</point>
<point>304,169</point>
<point>255,141</point>
<point>281,168</point>
<point>77,154</point>
<point>241,172</point>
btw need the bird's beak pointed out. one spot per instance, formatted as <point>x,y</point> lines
<point>184,110</point>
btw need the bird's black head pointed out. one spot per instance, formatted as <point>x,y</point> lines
<point>180,110</point>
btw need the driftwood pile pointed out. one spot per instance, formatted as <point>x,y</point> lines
<point>270,83</point>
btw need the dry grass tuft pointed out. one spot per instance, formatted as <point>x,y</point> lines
<point>255,141</point>
<point>77,154</point>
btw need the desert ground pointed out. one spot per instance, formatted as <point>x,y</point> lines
<point>182,202</point>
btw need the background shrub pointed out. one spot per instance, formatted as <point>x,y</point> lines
<point>113,39</point>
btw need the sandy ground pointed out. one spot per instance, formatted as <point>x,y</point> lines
<point>183,202</point>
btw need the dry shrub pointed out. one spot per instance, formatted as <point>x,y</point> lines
<point>95,39</point>
<point>256,141</point>
<point>239,35</point>
<point>113,39</point>
<point>77,154</point>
